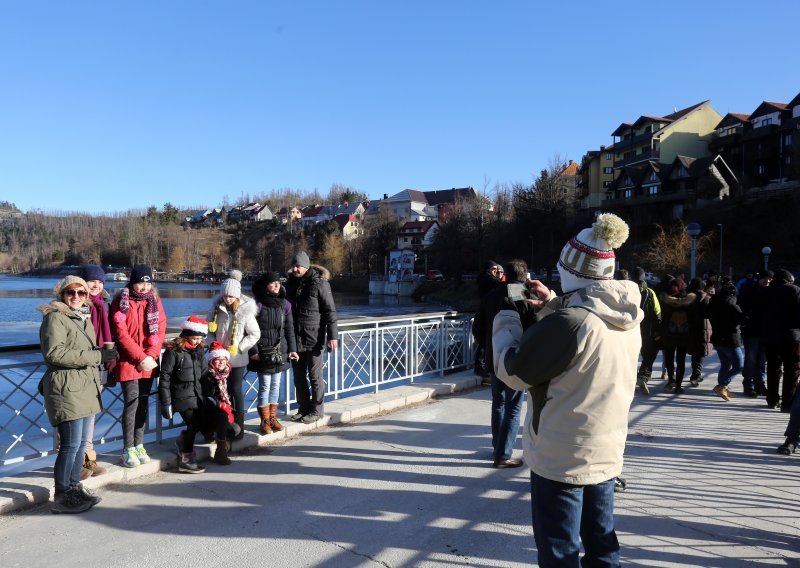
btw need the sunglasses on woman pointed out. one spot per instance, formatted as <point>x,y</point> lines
<point>76,292</point>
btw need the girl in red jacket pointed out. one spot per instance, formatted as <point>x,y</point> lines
<point>138,323</point>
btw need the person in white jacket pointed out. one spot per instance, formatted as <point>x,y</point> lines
<point>232,322</point>
<point>578,362</point>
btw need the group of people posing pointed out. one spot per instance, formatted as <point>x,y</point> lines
<point>88,344</point>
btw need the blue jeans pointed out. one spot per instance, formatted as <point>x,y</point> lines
<point>731,360</point>
<point>564,515</point>
<point>755,364</point>
<point>71,448</point>
<point>506,408</point>
<point>269,388</point>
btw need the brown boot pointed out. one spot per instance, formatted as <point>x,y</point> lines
<point>91,465</point>
<point>265,427</point>
<point>273,418</point>
<point>221,453</point>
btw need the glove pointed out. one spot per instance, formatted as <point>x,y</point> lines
<point>227,409</point>
<point>111,365</point>
<point>166,411</point>
<point>148,363</point>
<point>107,355</point>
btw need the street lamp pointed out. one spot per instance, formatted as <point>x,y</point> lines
<point>720,249</point>
<point>765,251</point>
<point>693,230</point>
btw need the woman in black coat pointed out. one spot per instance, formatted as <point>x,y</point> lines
<point>726,320</point>
<point>274,350</point>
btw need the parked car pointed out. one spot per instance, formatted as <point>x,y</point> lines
<point>434,275</point>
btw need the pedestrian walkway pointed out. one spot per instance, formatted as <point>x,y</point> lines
<point>415,487</point>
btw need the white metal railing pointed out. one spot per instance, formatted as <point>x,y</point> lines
<point>373,354</point>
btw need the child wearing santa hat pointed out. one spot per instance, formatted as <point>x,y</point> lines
<point>218,400</point>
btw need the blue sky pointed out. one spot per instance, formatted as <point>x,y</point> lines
<point>110,106</point>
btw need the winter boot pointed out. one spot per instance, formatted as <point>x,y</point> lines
<point>221,453</point>
<point>91,465</point>
<point>239,418</point>
<point>273,418</point>
<point>266,425</point>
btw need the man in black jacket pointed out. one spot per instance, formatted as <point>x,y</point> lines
<point>780,331</point>
<point>314,315</point>
<point>506,402</point>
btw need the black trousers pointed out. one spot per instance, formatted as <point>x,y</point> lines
<point>203,419</point>
<point>235,380</point>
<point>782,358</point>
<point>650,349</point>
<point>309,386</point>
<point>135,393</point>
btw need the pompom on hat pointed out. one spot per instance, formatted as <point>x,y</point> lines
<point>232,286</point>
<point>589,256</point>
<point>217,350</point>
<point>194,326</point>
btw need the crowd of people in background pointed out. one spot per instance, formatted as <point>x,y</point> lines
<point>88,344</point>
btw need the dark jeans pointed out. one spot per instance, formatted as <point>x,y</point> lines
<point>564,515</point>
<point>309,386</point>
<point>755,364</point>
<point>793,428</point>
<point>649,354</point>
<point>506,408</point>
<point>69,461</point>
<point>675,360</point>
<point>235,381</point>
<point>787,356</point>
<point>134,416</point>
<point>731,360</point>
<point>203,419</point>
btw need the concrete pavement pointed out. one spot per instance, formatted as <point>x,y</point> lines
<point>415,487</point>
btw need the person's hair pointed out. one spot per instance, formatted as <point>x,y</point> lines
<point>180,342</point>
<point>234,306</point>
<point>696,284</point>
<point>516,270</point>
<point>621,274</point>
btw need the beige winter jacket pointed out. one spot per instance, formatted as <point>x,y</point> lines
<point>579,364</point>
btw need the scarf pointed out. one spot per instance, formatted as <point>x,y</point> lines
<point>125,297</point>
<point>221,378</point>
<point>83,313</point>
<point>100,319</point>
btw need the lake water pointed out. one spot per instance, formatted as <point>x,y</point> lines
<point>19,297</point>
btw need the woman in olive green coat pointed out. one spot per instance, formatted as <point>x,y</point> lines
<point>70,386</point>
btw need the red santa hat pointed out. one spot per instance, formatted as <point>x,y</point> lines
<point>194,326</point>
<point>217,350</point>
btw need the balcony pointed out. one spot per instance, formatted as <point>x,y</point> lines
<point>647,155</point>
<point>637,140</point>
<point>664,196</point>
<point>761,132</point>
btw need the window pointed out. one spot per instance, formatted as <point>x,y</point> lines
<point>608,155</point>
<point>682,172</point>
<point>766,121</point>
<point>760,169</point>
<point>608,170</point>
<point>652,190</point>
<point>606,184</point>
<point>628,193</point>
<point>653,176</point>
<point>787,140</point>
<point>628,181</point>
<point>787,160</point>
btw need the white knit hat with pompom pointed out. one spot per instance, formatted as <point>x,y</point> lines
<point>232,286</point>
<point>589,257</point>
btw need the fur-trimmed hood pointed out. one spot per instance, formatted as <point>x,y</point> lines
<point>324,273</point>
<point>56,306</point>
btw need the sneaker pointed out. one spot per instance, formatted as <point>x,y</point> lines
<point>670,386</point>
<point>619,485</point>
<point>297,417</point>
<point>722,392</point>
<point>695,382</point>
<point>186,464</point>
<point>309,418</point>
<point>642,384</point>
<point>141,453</point>
<point>751,393</point>
<point>130,458</point>
<point>70,501</point>
<point>787,448</point>
<point>88,495</point>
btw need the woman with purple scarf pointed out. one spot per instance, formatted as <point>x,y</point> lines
<point>95,279</point>
<point>138,324</point>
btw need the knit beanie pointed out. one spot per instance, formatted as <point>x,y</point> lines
<point>217,350</point>
<point>301,259</point>
<point>141,273</point>
<point>67,282</point>
<point>589,257</point>
<point>260,285</point>
<point>93,272</point>
<point>194,326</point>
<point>232,286</point>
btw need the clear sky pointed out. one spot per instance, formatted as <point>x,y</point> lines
<point>108,106</point>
